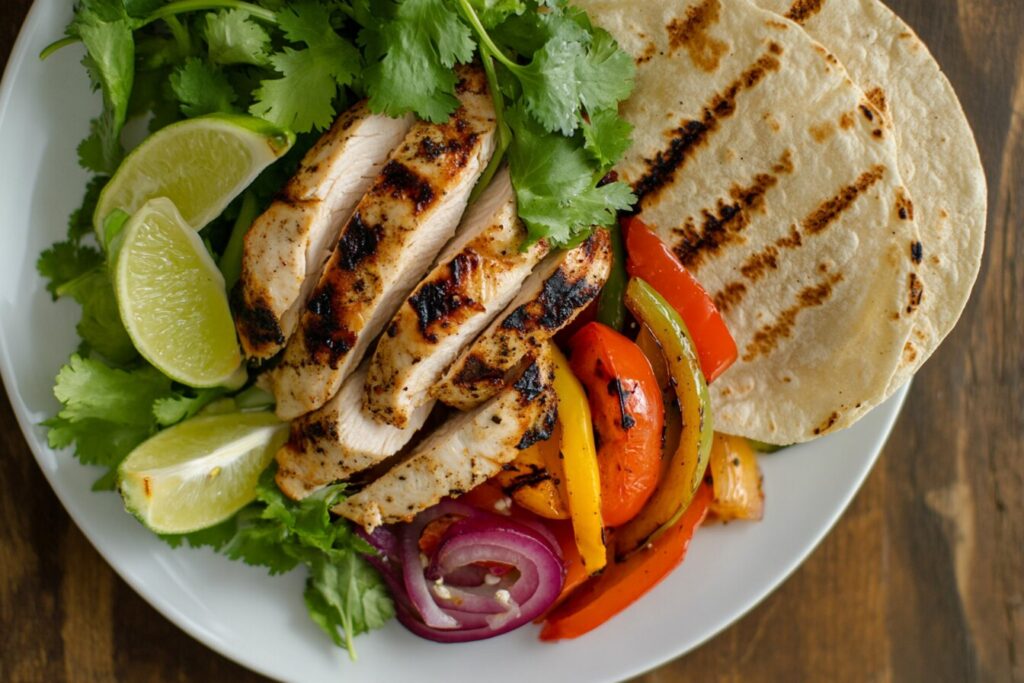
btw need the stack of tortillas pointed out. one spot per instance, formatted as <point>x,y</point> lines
<point>811,165</point>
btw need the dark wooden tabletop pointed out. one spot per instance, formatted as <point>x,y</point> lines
<point>922,580</point>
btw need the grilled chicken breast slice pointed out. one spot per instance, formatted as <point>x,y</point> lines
<point>340,440</point>
<point>409,213</point>
<point>463,453</point>
<point>479,274</point>
<point>561,287</point>
<point>287,246</point>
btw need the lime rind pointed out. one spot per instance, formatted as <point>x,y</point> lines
<point>200,164</point>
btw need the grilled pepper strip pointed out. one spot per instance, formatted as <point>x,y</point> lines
<point>611,309</point>
<point>580,463</point>
<point>629,418</point>
<point>536,480</point>
<point>688,464</point>
<point>739,494</point>
<point>623,583</point>
<point>652,260</point>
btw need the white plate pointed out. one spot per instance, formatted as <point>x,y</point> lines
<point>260,621</point>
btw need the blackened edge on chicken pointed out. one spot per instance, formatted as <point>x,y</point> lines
<point>257,321</point>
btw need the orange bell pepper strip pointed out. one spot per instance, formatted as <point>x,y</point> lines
<point>623,583</point>
<point>651,259</point>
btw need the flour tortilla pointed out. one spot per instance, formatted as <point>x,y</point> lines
<point>776,181</point>
<point>938,156</point>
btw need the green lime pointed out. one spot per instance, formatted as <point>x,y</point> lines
<point>200,165</point>
<point>200,472</point>
<point>172,299</point>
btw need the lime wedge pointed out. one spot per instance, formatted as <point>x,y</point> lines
<point>200,472</point>
<point>172,299</point>
<point>200,165</point>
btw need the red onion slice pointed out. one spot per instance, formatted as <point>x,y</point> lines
<point>462,604</point>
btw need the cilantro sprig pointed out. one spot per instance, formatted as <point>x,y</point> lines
<point>556,80</point>
<point>344,595</point>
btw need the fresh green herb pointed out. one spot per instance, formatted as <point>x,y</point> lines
<point>232,37</point>
<point>106,411</point>
<point>344,595</point>
<point>202,88</point>
<point>297,63</point>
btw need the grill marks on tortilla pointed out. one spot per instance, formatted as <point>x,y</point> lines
<point>916,294</point>
<point>755,268</point>
<point>691,34</point>
<point>833,209</point>
<point>758,265</point>
<point>802,10</point>
<point>767,339</point>
<point>692,135</point>
<point>725,225</point>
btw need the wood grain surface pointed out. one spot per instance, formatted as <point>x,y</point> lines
<point>922,580</point>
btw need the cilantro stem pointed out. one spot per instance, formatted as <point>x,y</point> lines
<point>174,8</point>
<point>504,135</point>
<point>57,45</point>
<point>230,263</point>
<point>181,36</point>
<point>183,6</point>
<point>485,37</point>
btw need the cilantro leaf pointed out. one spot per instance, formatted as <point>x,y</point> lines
<point>105,29</point>
<point>556,184</point>
<point>233,38</point>
<point>605,75</point>
<point>173,409</point>
<point>202,88</point>
<point>410,56</point>
<point>80,221</point>
<point>100,327</point>
<point>96,442</point>
<point>66,261</point>
<point>344,593</point>
<point>106,412</point>
<point>494,12</point>
<point>90,389</point>
<point>550,89</point>
<point>303,98</point>
<point>607,136</point>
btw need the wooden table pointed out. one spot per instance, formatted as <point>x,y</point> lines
<point>922,580</point>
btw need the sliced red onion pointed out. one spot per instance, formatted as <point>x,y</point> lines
<point>382,539</point>
<point>460,605</point>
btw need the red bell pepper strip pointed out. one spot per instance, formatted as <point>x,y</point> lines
<point>629,417</point>
<point>624,583</point>
<point>651,259</point>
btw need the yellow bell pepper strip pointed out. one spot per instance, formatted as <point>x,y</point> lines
<point>536,479</point>
<point>580,463</point>
<point>737,480</point>
<point>689,463</point>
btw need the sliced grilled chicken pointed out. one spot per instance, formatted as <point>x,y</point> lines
<point>409,213</point>
<point>464,452</point>
<point>287,246</point>
<point>561,287</point>
<point>339,440</point>
<point>479,274</point>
